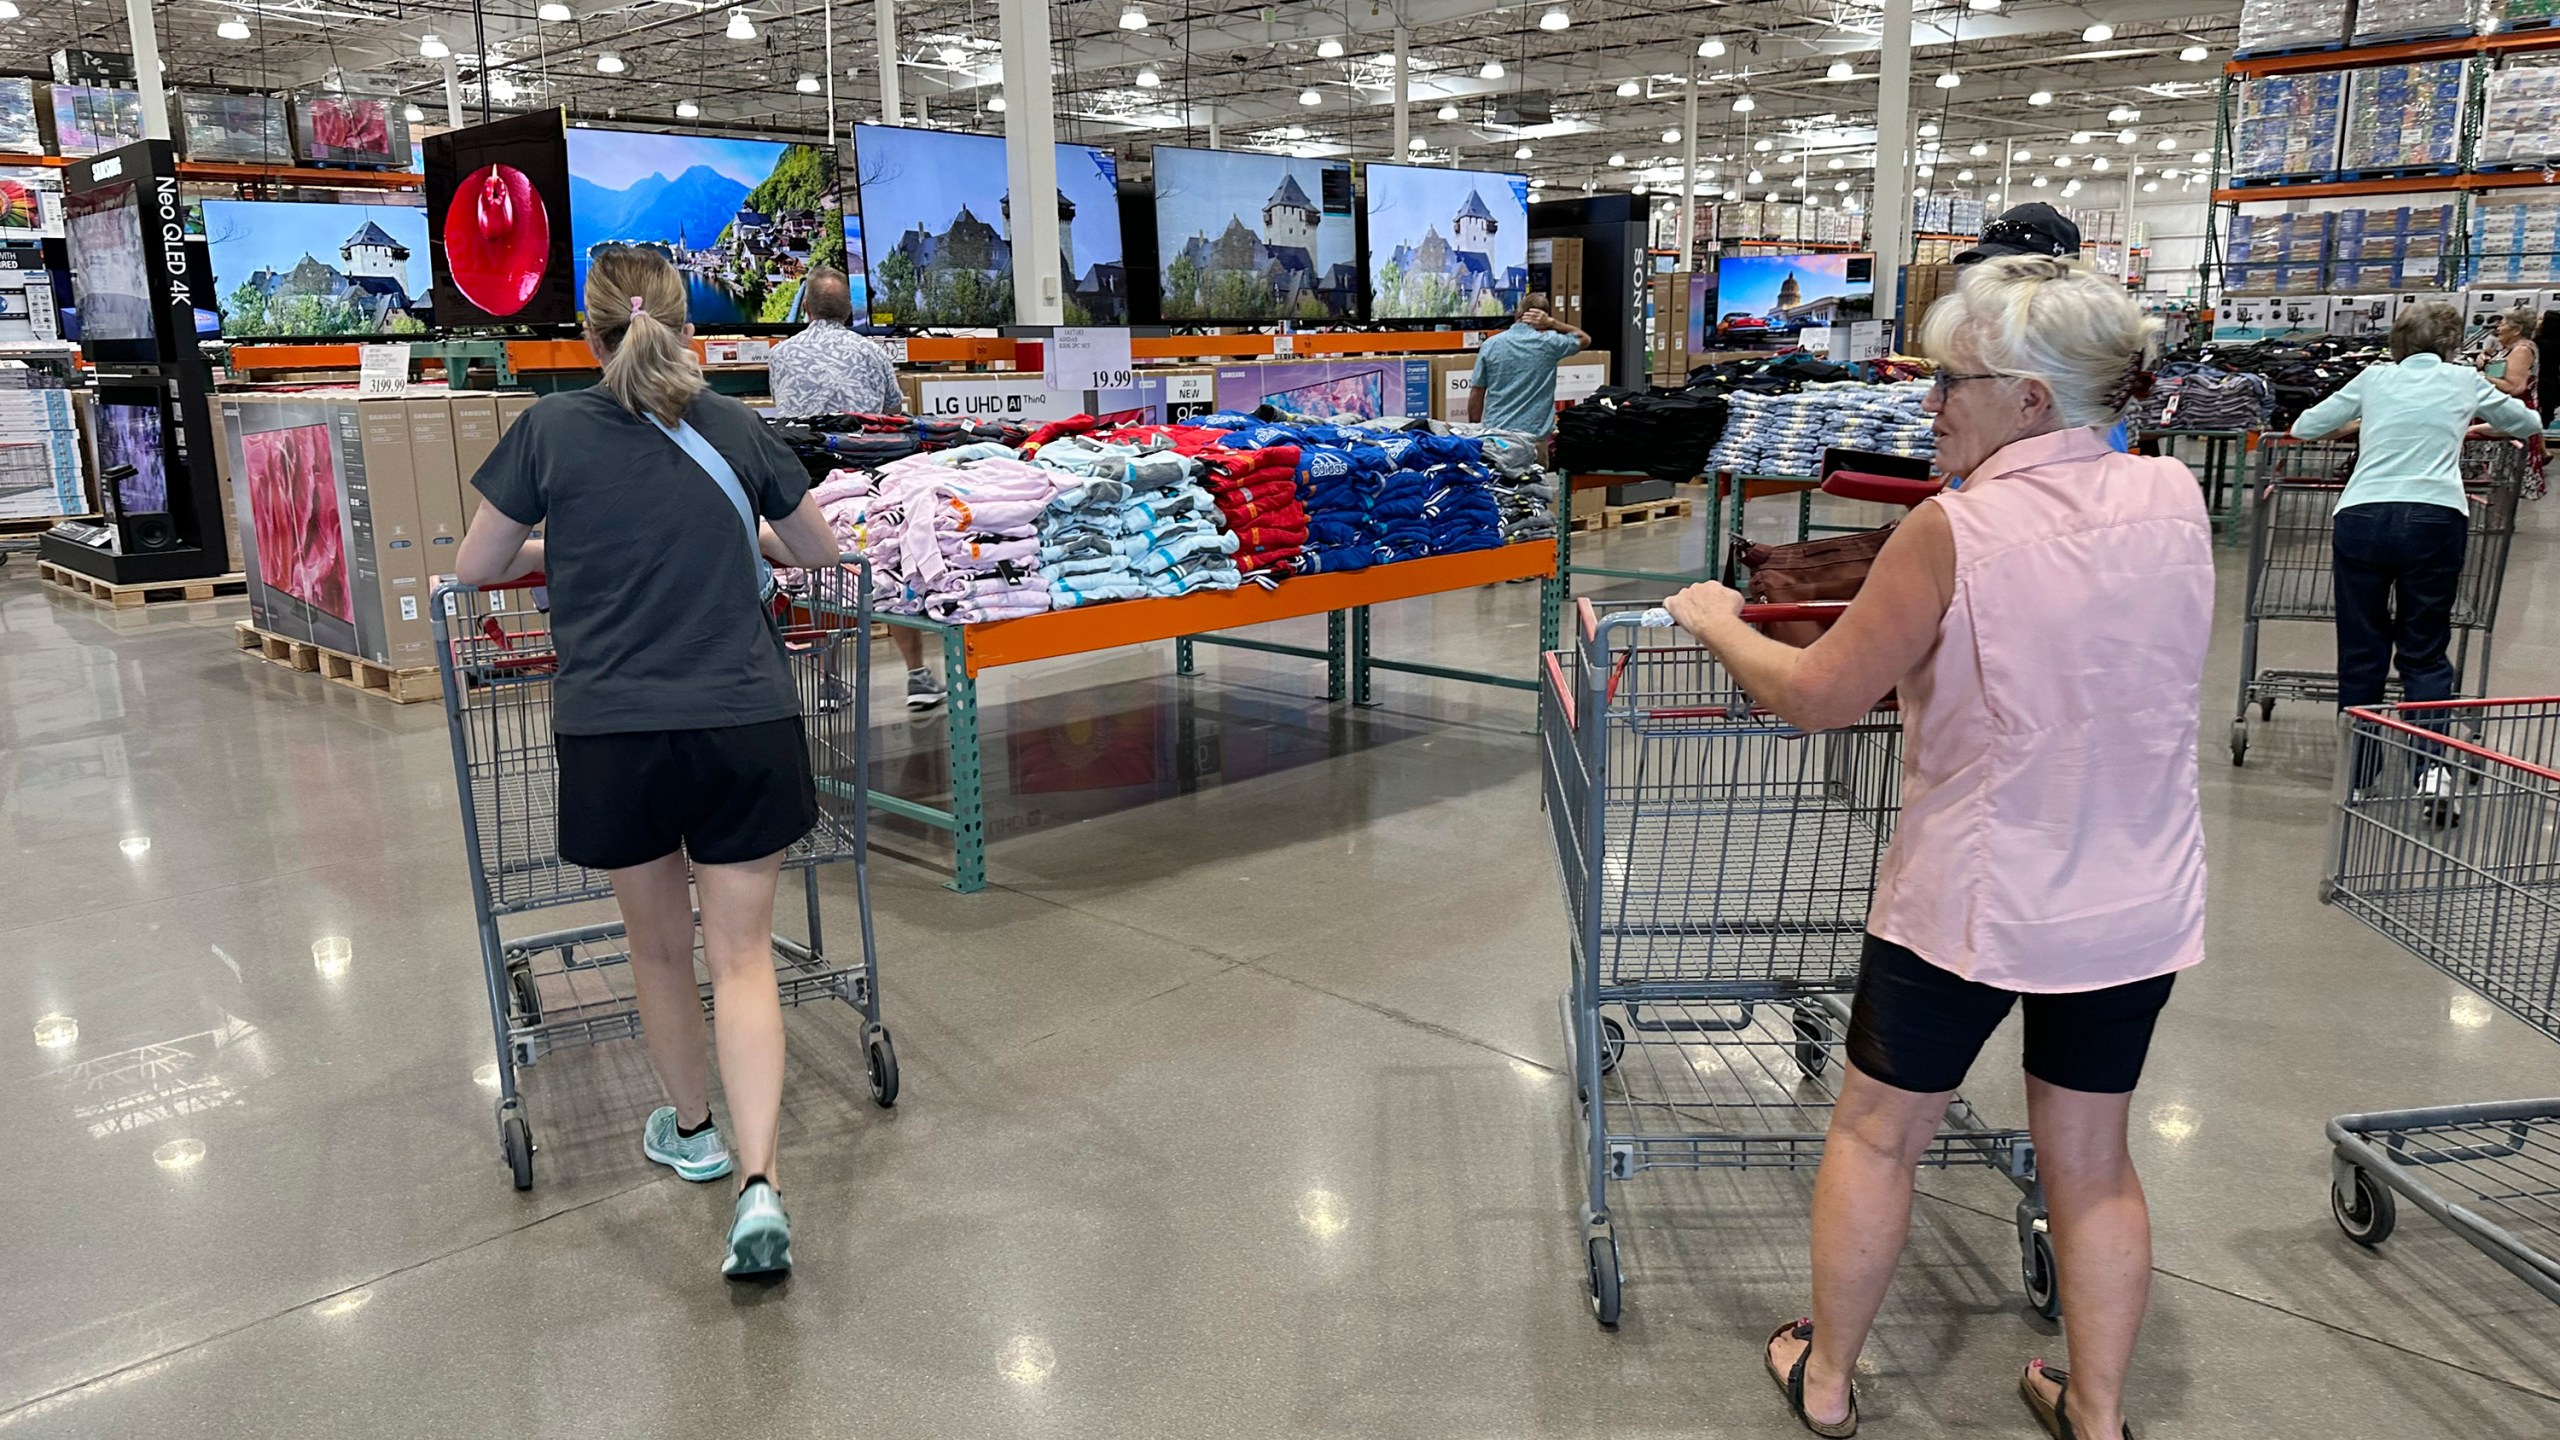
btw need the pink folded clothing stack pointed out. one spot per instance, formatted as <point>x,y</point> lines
<point>951,534</point>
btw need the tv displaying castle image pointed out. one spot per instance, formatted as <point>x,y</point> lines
<point>937,225</point>
<point>1245,238</point>
<point>297,269</point>
<point>1446,244</point>
<point>743,219</point>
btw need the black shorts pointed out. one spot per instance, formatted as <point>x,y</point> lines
<point>725,796</point>
<point>1917,1027</point>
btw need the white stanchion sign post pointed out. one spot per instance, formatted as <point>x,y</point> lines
<point>1089,358</point>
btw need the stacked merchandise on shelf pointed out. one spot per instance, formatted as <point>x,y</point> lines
<point>1437,500</point>
<point>2279,254</point>
<point>2497,15</point>
<point>1523,489</point>
<point>2288,126</point>
<point>2299,373</point>
<point>2520,122</point>
<point>1129,522</point>
<point>953,534</point>
<point>2380,252</point>
<point>2516,244</point>
<point>1665,433</point>
<point>2192,395</point>
<point>1257,492</point>
<point>2402,119</point>
<point>826,443</point>
<point>1786,434</point>
<point>2377,22</point>
<point>39,447</point>
<point>1948,215</point>
<point>2270,27</point>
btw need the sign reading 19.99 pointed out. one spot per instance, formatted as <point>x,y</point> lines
<point>1089,358</point>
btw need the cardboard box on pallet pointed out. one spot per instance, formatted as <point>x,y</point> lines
<point>475,434</point>
<point>437,467</point>
<point>511,405</point>
<point>331,543</point>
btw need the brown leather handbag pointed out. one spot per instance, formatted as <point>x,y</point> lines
<point>1831,568</point>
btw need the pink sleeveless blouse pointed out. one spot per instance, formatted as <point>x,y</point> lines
<point>2051,838</point>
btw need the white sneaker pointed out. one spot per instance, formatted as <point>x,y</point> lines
<point>2436,800</point>
<point>924,690</point>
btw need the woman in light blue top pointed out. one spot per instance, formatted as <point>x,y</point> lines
<point>2403,524</point>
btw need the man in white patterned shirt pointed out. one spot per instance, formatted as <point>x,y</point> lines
<point>827,369</point>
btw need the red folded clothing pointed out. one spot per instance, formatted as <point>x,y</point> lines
<point>1236,462</point>
<point>1265,497</point>
<point>1280,559</point>
<point>1184,439</point>
<point>1263,536</point>
<point>1072,425</point>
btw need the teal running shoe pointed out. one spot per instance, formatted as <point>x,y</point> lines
<point>759,1234</point>
<point>697,1158</point>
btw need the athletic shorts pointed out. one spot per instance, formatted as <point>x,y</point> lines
<point>724,796</point>
<point>1917,1027</point>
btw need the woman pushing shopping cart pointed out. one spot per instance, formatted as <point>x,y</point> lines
<point>2044,626</point>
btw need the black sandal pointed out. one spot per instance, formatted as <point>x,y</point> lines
<point>2056,1421</point>
<point>1791,1384</point>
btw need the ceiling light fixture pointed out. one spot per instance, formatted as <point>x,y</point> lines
<point>2150,186</point>
<point>2022,157</point>
<point>1950,80</point>
<point>807,84</point>
<point>1837,163</point>
<point>1710,48</point>
<point>1448,112</point>
<point>2099,33</point>
<point>1928,129</point>
<point>1492,70</point>
<point>1149,79</point>
<point>234,28</point>
<point>1979,150</point>
<point>413,114</point>
<point>2041,97</point>
<point>687,110</point>
<point>1671,137</point>
<point>740,27</point>
<point>1133,18</point>
<point>1842,186</point>
<point>610,63</point>
<point>2193,54</point>
<point>2098,164</point>
<point>2081,137</point>
<point>1309,97</point>
<point>2167,142</point>
<point>954,55</point>
<point>2061,162</point>
<point>1329,48</point>
<point>1842,70</point>
<point>2126,136</point>
<point>2204,157</point>
<point>1770,198</point>
<point>1554,19</point>
<point>1983,4</point>
<point>1417,144</point>
<point>2039,182</point>
<point>1523,153</point>
<point>433,47</point>
<point>1751,179</point>
<point>1619,159</point>
<point>1965,175</point>
<point>1743,104</point>
<point>553,12</point>
<point>1761,145</point>
<point>1629,89</point>
<point>502,89</point>
<point>1927,170</point>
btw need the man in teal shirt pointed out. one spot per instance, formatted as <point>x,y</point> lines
<point>1515,381</point>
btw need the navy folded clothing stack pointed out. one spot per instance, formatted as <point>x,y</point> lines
<point>1438,500</point>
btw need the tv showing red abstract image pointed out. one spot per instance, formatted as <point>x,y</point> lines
<point>497,239</point>
<point>292,475</point>
<point>498,223</point>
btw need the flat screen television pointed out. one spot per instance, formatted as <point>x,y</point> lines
<point>1245,239</point>
<point>110,275</point>
<point>937,226</point>
<point>130,432</point>
<point>251,128</point>
<point>1446,244</point>
<point>498,223</point>
<point>297,269</point>
<point>743,219</point>
<point>857,270</point>
<point>1765,296</point>
<point>338,129</point>
<point>90,120</point>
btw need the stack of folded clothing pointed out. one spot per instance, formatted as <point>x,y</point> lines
<point>1129,523</point>
<point>1338,479</point>
<point>1885,418</point>
<point>1785,434</point>
<point>953,535</point>
<point>1257,493</point>
<point>1438,500</point>
<point>1522,488</point>
<point>2188,395</point>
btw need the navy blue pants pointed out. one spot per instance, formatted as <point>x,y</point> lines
<point>2397,565</point>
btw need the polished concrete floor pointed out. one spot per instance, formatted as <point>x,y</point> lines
<point>1233,1108</point>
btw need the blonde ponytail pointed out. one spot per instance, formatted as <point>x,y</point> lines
<point>635,320</point>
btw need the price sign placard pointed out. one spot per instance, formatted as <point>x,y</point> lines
<point>383,370</point>
<point>1089,358</point>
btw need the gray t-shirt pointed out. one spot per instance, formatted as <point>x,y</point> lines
<point>653,598</point>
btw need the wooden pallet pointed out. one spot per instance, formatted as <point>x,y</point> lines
<point>400,687</point>
<point>131,597</point>
<point>1613,516</point>
<point>35,524</point>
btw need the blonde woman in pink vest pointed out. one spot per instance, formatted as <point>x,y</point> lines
<point>2044,623</point>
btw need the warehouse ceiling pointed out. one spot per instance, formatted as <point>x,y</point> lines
<point>1597,102</point>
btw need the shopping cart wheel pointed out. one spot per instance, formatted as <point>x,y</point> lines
<point>2240,742</point>
<point>1604,1280</point>
<point>515,1136</point>
<point>880,1058</point>
<point>1613,1043</point>
<point>2036,1268</point>
<point>528,997</point>
<point>2368,1212</point>
<point>1813,1041</point>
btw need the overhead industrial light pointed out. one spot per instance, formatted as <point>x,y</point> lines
<point>2204,157</point>
<point>413,114</point>
<point>1836,163</point>
<point>1770,198</point>
<point>1296,132</point>
<point>1618,159</point>
<point>1841,185</point>
<point>2150,186</point>
<point>433,47</point>
<point>1965,175</point>
<point>2099,33</point>
<point>1926,171</point>
<point>1637,188</point>
<point>610,63</point>
<point>2121,114</point>
<point>1329,48</point>
<point>740,27</point>
<point>1629,89</point>
<point>1797,182</point>
<point>1983,4</point>
<point>2041,97</point>
<point>502,89</point>
<point>1761,145</point>
<point>2167,142</point>
<point>1949,80</point>
<point>1554,19</point>
<point>2022,156</point>
<point>554,12</point>
<point>807,84</point>
<point>1523,153</point>
<point>1448,112</point>
<point>954,55</point>
<point>1928,129</point>
<point>1148,79</point>
<point>2126,136</point>
<point>1671,137</point>
<point>9,11</point>
<point>234,28</point>
<point>1731,194</point>
<point>1842,70</point>
<point>2061,162</point>
<point>1417,144</point>
<point>1309,97</point>
<point>2099,163</point>
<point>2081,137</point>
<point>1743,104</point>
<point>1979,150</point>
<point>1133,18</point>
<point>2038,182</point>
<point>687,110</point>
<point>1711,47</point>
<point>2192,54</point>
<point>1752,179</point>
<point>1492,70</point>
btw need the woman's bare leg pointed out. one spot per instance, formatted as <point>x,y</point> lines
<point>657,913</point>
<point>2101,1244</point>
<point>746,1005</point>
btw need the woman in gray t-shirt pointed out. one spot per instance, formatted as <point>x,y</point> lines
<point>682,760</point>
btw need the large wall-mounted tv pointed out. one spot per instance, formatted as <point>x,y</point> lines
<point>937,223</point>
<point>1446,244</point>
<point>498,223</point>
<point>743,219</point>
<point>302,269</point>
<point>1763,295</point>
<point>110,275</point>
<point>1242,239</point>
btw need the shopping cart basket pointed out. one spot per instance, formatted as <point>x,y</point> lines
<point>2289,564</point>
<point>568,987</point>
<point>1717,868</point>
<point>2451,846</point>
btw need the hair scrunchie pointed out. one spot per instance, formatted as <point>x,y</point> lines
<point>2135,385</point>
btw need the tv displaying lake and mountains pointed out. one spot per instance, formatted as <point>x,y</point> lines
<point>1244,238</point>
<point>937,222</point>
<point>1446,244</point>
<point>302,269</point>
<point>745,220</point>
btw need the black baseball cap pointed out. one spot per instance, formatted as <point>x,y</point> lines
<point>2034,228</point>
